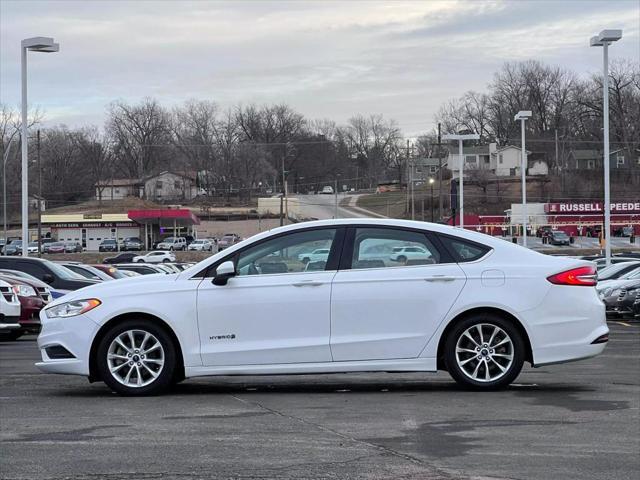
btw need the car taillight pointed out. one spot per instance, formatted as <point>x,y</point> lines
<point>584,276</point>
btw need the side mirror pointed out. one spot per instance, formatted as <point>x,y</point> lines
<point>224,272</point>
<point>48,278</point>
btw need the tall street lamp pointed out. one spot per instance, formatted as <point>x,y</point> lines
<point>35,44</point>
<point>523,116</point>
<point>461,138</point>
<point>604,39</point>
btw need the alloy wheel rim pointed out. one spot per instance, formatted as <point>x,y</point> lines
<point>135,358</point>
<point>484,352</point>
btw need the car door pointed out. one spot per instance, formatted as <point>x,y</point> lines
<point>276,309</point>
<point>386,309</point>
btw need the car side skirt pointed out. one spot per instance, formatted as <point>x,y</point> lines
<point>398,365</point>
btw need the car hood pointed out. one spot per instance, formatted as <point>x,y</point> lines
<point>616,284</point>
<point>104,290</point>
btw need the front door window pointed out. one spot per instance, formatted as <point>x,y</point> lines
<point>292,253</point>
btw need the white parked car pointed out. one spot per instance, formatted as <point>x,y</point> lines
<point>327,190</point>
<point>402,254</point>
<point>317,255</point>
<point>173,243</point>
<point>203,245</point>
<point>9,310</point>
<point>155,257</point>
<point>483,308</point>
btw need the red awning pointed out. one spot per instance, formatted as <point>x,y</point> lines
<point>181,216</point>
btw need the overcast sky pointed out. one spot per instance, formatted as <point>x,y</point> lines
<point>329,59</point>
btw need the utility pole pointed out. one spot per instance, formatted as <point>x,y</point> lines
<point>407,177</point>
<point>440,173</point>
<point>335,192</point>
<point>39,198</point>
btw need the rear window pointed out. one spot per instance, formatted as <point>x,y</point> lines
<point>464,250</point>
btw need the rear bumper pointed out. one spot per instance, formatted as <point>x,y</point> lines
<point>565,325</point>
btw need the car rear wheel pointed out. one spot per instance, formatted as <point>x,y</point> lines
<point>484,352</point>
<point>402,259</point>
<point>136,357</point>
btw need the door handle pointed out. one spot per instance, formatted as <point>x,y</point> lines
<point>307,283</point>
<point>440,278</point>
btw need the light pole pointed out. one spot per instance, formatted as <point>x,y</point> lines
<point>604,39</point>
<point>35,44</point>
<point>523,116</point>
<point>4,188</point>
<point>461,138</point>
<point>431,182</point>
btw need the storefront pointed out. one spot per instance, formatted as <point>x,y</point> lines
<point>158,223</point>
<point>90,229</point>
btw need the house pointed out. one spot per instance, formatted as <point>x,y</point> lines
<point>118,188</point>
<point>170,186</point>
<point>424,168</point>
<point>165,186</point>
<point>474,157</point>
<point>502,161</point>
<point>34,200</point>
<point>588,159</point>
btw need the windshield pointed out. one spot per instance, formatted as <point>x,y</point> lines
<point>64,272</point>
<point>169,240</point>
<point>612,271</point>
<point>108,241</point>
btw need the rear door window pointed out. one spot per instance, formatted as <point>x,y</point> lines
<point>464,250</point>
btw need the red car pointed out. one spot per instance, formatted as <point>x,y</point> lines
<point>56,247</point>
<point>33,296</point>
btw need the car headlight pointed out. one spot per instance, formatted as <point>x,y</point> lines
<point>73,308</point>
<point>605,292</point>
<point>24,291</point>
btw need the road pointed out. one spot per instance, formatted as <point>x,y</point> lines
<point>323,207</point>
<point>573,421</point>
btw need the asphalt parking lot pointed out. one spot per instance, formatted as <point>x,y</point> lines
<point>577,420</point>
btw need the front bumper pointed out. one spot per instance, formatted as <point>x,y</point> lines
<point>9,324</point>
<point>75,335</point>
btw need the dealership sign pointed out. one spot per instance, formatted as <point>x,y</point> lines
<point>591,207</point>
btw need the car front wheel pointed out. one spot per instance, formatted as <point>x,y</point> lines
<point>484,352</point>
<point>136,357</point>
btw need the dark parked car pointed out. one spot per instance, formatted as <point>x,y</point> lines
<point>108,245</point>
<point>624,300</point>
<point>51,273</point>
<point>626,231</point>
<point>13,248</point>
<point>120,258</point>
<point>132,244</point>
<point>558,237</point>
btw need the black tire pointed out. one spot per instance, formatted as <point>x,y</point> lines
<point>166,260</point>
<point>402,259</point>
<point>305,260</point>
<point>512,371</point>
<point>167,374</point>
<point>139,261</point>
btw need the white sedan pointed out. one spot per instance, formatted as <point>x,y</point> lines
<point>156,256</point>
<point>479,311</point>
<point>204,245</point>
